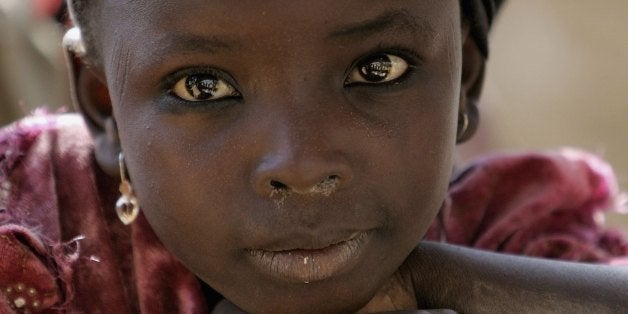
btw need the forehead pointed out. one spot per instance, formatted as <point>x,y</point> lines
<point>143,21</point>
<point>304,10</point>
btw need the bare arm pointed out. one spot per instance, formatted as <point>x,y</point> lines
<point>473,281</point>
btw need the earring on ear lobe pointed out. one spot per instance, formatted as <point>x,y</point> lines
<point>73,42</point>
<point>463,125</point>
<point>127,206</point>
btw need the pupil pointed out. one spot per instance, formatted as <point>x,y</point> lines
<point>202,86</point>
<point>376,69</point>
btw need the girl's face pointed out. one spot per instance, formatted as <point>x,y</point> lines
<point>287,152</point>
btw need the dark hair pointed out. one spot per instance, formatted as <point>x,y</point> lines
<point>480,15</point>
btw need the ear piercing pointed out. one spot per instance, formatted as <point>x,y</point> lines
<point>73,42</point>
<point>127,206</point>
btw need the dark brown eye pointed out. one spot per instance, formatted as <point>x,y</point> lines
<point>203,87</point>
<point>378,69</point>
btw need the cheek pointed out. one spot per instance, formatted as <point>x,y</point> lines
<point>425,162</point>
<point>418,158</point>
<point>180,180</point>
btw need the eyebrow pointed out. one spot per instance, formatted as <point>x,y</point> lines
<point>196,43</point>
<point>391,20</point>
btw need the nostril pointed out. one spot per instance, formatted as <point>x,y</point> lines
<point>278,185</point>
<point>279,192</point>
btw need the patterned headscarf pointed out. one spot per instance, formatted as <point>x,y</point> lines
<point>480,15</point>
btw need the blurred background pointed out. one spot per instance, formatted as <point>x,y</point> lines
<point>557,76</point>
<point>32,70</point>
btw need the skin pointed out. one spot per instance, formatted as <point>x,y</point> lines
<point>204,172</point>
<point>303,156</point>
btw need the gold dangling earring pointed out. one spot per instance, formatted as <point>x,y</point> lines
<point>127,206</point>
<point>463,126</point>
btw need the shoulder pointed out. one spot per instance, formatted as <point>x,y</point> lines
<point>66,131</point>
<point>39,155</point>
<point>41,139</point>
<point>42,135</point>
<point>34,153</point>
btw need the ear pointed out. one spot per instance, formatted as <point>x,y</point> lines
<point>90,97</point>
<point>473,65</point>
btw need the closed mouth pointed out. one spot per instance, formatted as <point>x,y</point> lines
<point>311,263</point>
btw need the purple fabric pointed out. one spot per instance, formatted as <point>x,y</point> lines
<point>538,204</point>
<point>62,249</point>
<point>60,238</point>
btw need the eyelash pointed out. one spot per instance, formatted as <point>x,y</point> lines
<point>413,59</point>
<point>176,104</point>
<point>172,79</point>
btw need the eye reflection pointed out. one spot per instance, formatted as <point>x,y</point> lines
<point>379,68</point>
<point>203,87</point>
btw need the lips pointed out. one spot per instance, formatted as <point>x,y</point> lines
<point>311,261</point>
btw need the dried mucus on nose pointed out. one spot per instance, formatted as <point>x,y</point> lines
<point>280,192</point>
<point>327,186</point>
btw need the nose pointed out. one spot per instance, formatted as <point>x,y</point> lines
<point>299,163</point>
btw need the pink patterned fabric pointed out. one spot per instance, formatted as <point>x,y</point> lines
<point>62,249</point>
<point>539,204</point>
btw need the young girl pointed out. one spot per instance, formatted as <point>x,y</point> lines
<point>290,156</point>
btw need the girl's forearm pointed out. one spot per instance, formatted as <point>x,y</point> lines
<point>472,281</point>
